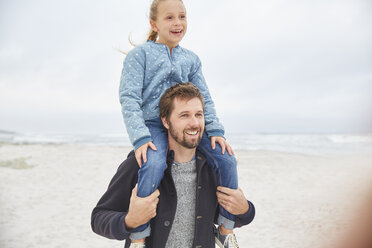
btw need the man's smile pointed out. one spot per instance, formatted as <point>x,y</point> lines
<point>192,132</point>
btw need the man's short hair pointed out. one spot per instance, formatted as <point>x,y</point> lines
<point>183,91</point>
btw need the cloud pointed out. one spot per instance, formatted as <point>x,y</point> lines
<point>267,63</point>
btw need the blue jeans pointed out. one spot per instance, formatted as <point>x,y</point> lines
<point>151,172</point>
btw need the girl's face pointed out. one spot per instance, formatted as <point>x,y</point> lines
<point>171,23</point>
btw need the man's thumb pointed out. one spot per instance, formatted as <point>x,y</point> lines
<point>134,191</point>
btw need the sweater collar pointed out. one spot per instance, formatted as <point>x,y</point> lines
<point>199,157</point>
<point>161,44</point>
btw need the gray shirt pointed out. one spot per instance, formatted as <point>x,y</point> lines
<point>182,231</point>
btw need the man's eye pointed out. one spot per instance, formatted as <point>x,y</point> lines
<point>184,115</point>
<point>199,115</point>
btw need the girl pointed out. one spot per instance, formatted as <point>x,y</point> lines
<point>149,69</point>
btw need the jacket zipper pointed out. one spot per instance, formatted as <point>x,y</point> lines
<point>196,200</point>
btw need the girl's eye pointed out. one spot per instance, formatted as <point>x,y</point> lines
<point>182,16</point>
<point>169,18</point>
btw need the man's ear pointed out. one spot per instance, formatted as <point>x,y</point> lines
<point>165,122</point>
<point>153,26</point>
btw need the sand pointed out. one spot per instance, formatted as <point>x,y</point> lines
<point>47,193</point>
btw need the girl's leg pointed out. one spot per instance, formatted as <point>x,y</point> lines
<point>151,172</point>
<point>225,167</point>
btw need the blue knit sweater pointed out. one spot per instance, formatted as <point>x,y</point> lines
<point>148,71</point>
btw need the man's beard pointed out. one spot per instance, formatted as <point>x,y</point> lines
<point>182,140</point>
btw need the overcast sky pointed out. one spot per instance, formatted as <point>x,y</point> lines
<point>271,65</point>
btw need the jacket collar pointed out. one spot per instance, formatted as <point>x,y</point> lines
<point>170,157</point>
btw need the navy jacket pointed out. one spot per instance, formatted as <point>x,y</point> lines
<point>108,216</point>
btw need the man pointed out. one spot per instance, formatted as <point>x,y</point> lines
<point>184,208</point>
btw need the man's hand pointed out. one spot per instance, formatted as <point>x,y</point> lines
<point>233,200</point>
<point>141,210</point>
<point>223,143</point>
<point>141,152</point>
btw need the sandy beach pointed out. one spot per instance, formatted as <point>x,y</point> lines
<point>47,193</point>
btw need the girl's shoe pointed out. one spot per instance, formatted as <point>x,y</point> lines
<point>137,245</point>
<point>226,241</point>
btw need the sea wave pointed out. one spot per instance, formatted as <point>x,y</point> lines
<point>304,143</point>
<point>294,143</point>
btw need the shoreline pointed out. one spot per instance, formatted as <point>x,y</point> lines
<point>237,151</point>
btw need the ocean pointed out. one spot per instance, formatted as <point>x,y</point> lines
<point>314,144</point>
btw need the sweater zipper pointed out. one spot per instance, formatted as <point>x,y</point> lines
<point>170,56</point>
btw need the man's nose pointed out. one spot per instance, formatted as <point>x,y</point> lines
<point>194,122</point>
